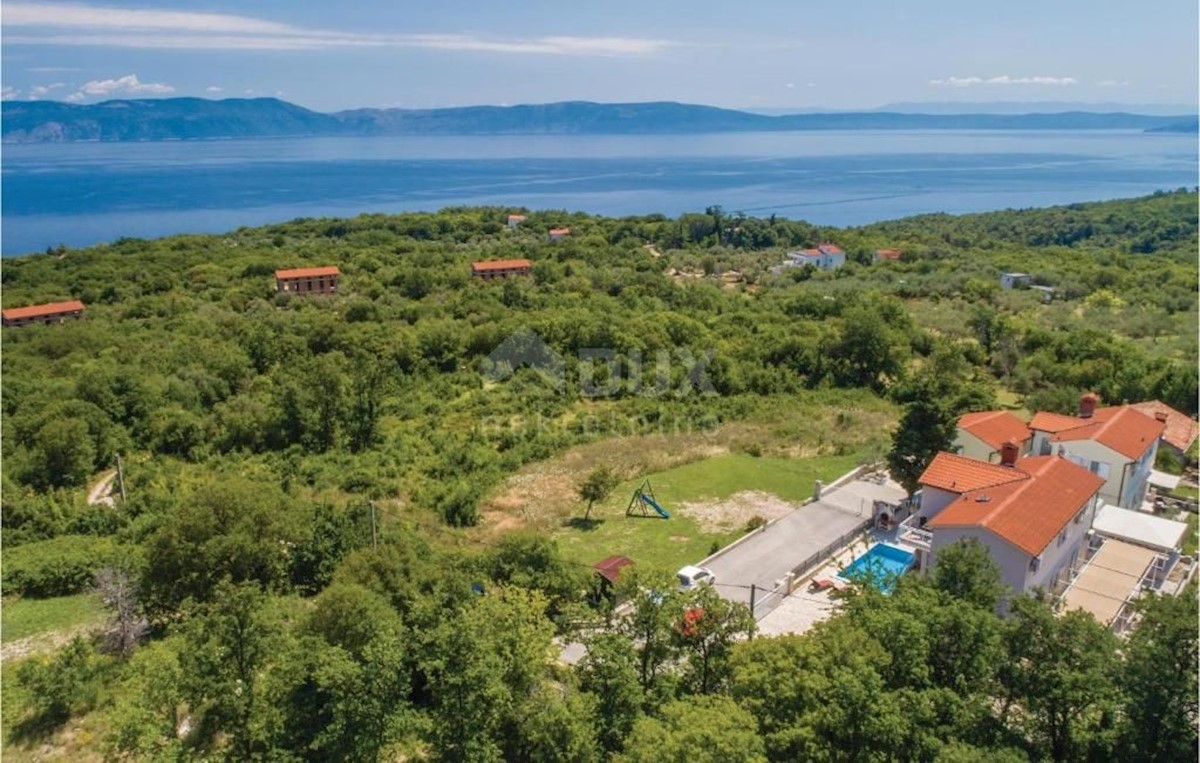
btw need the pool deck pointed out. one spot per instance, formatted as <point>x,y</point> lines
<point>803,609</point>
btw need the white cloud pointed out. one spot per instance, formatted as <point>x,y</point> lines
<point>213,89</point>
<point>127,85</point>
<point>1112,83</point>
<point>8,93</point>
<point>1003,79</point>
<point>86,25</point>
<point>41,91</point>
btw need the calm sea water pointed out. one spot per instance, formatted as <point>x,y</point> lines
<point>84,193</point>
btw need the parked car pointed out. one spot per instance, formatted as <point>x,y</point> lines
<point>691,576</point>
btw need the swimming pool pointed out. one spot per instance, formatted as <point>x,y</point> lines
<point>882,565</point>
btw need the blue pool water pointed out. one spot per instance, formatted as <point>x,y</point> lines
<point>882,564</point>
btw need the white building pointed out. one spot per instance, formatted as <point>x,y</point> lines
<point>1032,514</point>
<point>982,435</point>
<point>1118,443</point>
<point>1015,280</point>
<point>825,257</point>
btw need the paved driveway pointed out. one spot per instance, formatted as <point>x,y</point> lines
<point>771,553</point>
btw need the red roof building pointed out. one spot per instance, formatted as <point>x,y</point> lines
<point>981,435</point>
<point>1118,443</point>
<point>1181,429</point>
<point>320,280</point>
<point>558,234</point>
<point>501,268</point>
<point>52,312</point>
<point>515,220</point>
<point>1033,514</point>
<point>1028,508</point>
<point>889,255</point>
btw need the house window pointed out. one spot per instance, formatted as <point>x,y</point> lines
<point>1062,537</point>
<point>1034,563</point>
<point>1079,517</point>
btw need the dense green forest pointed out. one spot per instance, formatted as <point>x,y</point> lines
<point>307,564</point>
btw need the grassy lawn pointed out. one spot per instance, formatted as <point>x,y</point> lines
<point>1186,491</point>
<point>671,543</point>
<point>1189,538</point>
<point>29,617</point>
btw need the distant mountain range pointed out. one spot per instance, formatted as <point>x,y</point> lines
<point>201,119</point>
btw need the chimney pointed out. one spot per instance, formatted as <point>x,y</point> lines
<point>1161,416</point>
<point>1087,405</point>
<point>1009,452</point>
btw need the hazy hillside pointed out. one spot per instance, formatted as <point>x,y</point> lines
<point>200,119</point>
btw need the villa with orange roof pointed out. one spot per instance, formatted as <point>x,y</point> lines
<point>982,435</point>
<point>1181,429</point>
<point>514,221</point>
<point>1118,443</point>
<point>558,234</point>
<point>886,255</point>
<point>1032,514</point>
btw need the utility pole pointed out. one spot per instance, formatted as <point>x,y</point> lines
<point>120,478</point>
<point>753,593</point>
<point>374,540</point>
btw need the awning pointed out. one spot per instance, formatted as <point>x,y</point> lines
<point>1163,480</point>
<point>1108,580</point>
<point>1138,527</point>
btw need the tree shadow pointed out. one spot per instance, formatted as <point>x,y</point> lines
<point>586,525</point>
<point>38,727</point>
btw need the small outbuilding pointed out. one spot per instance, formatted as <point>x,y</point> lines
<point>1015,280</point>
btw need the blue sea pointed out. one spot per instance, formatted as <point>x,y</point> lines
<point>85,193</point>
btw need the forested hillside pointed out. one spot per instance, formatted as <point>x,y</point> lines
<point>318,485</point>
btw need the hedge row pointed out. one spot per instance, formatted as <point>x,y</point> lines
<point>57,567</point>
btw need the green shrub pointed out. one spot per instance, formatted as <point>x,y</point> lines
<point>57,567</point>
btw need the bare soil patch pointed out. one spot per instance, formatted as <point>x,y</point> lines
<point>736,510</point>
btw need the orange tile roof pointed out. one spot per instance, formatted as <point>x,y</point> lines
<point>957,474</point>
<point>888,254</point>
<point>829,248</point>
<point>560,231</point>
<point>516,218</point>
<point>1053,422</point>
<point>1030,511</point>
<point>1119,427</point>
<point>483,267</point>
<point>995,427</point>
<point>1181,429</point>
<point>39,311</point>
<point>330,270</point>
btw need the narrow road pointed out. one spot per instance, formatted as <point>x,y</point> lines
<point>101,492</point>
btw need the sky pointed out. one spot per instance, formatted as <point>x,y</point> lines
<point>331,55</point>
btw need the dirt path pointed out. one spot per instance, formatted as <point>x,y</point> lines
<point>101,492</point>
<point>42,643</point>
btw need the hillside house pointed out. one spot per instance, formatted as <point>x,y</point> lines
<point>558,234</point>
<point>825,257</point>
<point>1032,514</point>
<point>514,221</point>
<point>1015,280</point>
<point>51,312</point>
<point>1180,429</point>
<point>982,435</point>
<point>1117,443</point>
<point>501,269</point>
<point>322,280</point>
<point>886,255</point>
